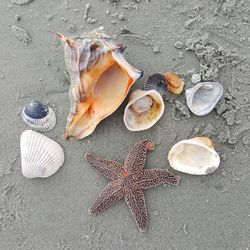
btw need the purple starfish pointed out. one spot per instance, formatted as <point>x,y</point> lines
<point>128,181</point>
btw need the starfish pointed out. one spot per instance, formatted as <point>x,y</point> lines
<point>128,181</point>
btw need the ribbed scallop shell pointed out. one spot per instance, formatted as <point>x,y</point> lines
<point>43,124</point>
<point>40,156</point>
<point>203,97</point>
<point>156,82</point>
<point>194,156</point>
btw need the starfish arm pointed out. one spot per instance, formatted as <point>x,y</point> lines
<point>110,169</point>
<point>109,195</point>
<point>153,177</point>
<point>135,200</point>
<point>136,158</point>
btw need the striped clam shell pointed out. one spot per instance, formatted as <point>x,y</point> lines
<point>39,116</point>
<point>40,156</point>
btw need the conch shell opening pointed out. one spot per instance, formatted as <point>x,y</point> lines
<point>100,80</point>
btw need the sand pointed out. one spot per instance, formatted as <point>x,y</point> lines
<point>208,212</point>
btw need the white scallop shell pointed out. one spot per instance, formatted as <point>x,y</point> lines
<point>202,98</point>
<point>45,124</point>
<point>40,156</point>
<point>137,122</point>
<point>194,156</point>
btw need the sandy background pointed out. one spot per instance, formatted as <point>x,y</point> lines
<point>208,212</point>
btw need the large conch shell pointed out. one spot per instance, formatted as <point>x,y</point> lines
<point>194,156</point>
<point>100,80</point>
<point>144,109</point>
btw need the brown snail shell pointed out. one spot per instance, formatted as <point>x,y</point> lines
<point>175,82</point>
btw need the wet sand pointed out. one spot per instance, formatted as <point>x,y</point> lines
<point>203,212</point>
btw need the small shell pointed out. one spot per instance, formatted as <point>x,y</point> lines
<point>40,156</point>
<point>39,116</point>
<point>194,156</point>
<point>196,78</point>
<point>175,82</point>
<point>142,105</point>
<point>202,98</point>
<point>137,121</point>
<point>156,82</point>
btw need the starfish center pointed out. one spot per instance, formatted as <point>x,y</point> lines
<point>125,173</point>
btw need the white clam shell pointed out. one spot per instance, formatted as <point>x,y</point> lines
<point>42,125</point>
<point>202,98</point>
<point>141,121</point>
<point>194,156</point>
<point>40,156</point>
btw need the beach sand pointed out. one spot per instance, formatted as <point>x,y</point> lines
<point>203,212</point>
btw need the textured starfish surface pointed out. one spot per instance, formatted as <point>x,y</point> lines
<point>128,181</point>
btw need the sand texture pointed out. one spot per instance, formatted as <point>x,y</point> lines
<point>204,212</point>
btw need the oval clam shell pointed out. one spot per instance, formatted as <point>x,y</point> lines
<point>40,156</point>
<point>39,116</point>
<point>202,98</point>
<point>156,82</point>
<point>141,121</point>
<point>194,156</point>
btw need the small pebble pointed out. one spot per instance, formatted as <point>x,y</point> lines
<point>184,228</point>
<point>47,62</point>
<point>196,78</point>
<point>17,17</point>
<point>115,15</point>
<point>2,76</point>
<point>122,17</point>
<point>113,21</point>
<point>91,20</point>
<point>156,49</point>
<point>21,34</point>
<point>178,45</point>
<point>21,2</point>
<point>64,19</point>
<point>180,55</point>
<point>86,11</point>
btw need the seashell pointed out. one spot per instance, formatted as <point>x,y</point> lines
<point>194,156</point>
<point>40,156</point>
<point>39,116</point>
<point>143,104</point>
<point>175,82</point>
<point>144,109</point>
<point>196,78</point>
<point>100,80</point>
<point>156,82</point>
<point>203,97</point>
